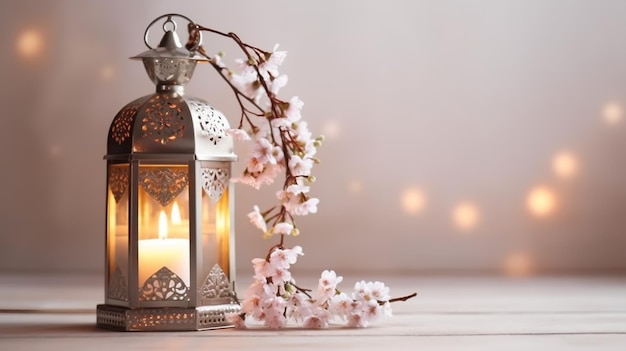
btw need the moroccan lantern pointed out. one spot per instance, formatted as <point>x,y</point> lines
<point>169,255</point>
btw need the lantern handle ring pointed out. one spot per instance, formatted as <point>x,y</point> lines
<point>169,20</point>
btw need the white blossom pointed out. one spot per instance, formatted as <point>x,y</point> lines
<point>327,285</point>
<point>257,219</point>
<point>271,63</point>
<point>278,83</point>
<point>299,166</point>
<point>283,228</point>
<point>238,134</point>
<point>302,208</point>
<point>340,305</point>
<point>293,112</point>
<point>285,257</point>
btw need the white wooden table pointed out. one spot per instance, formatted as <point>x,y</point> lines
<point>450,313</point>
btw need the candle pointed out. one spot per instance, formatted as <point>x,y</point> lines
<point>155,254</point>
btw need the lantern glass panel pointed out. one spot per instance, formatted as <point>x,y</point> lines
<point>163,221</point>
<point>215,234</point>
<point>117,230</point>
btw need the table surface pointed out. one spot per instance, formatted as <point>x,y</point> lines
<point>450,313</point>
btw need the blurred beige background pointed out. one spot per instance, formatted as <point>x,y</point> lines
<point>462,136</point>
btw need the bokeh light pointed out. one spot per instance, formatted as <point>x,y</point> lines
<point>612,113</point>
<point>413,200</point>
<point>466,215</point>
<point>355,186</point>
<point>541,201</point>
<point>518,264</point>
<point>331,129</point>
<point>107,72</point>
<point>30,44</point>
<point>565,164</point>
<point>55,150</point>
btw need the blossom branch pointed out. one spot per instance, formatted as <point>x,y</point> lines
<point>282,143</point>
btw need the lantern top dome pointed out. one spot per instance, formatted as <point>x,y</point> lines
<point>169,124</point>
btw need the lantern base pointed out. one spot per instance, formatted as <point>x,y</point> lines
<point>165,319</point>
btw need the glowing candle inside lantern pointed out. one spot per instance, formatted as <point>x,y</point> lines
<point>172,253</point>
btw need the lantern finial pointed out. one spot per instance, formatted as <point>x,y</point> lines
<point>170,65</point>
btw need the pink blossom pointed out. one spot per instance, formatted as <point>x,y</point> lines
<point>286,257</point>
<point>257,219</point>
<point>310,149</point>
<point>248,179</point>
<point>292,191</point>
<point>304,135</point>
<point>254,165</point>
<point>238,134</point>
<point>355,320</point>
<point>315,321</point>
<point>304,208</point>
<point>299,307</point>
<point>270,65</point>
<point>280,275</point>
<point>263,151</point>
<point>260,269</point>
<point>281,123</point>
<point>293,111</point>
<point>327,285</point>
<point>283,228</point>
<point>299,166</point>
<point>340,305</point>
<point>247,85</point>
<point>278,83</point>
<point>274,308</point>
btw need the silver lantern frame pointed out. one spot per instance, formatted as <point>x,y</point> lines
<point>166,144</point>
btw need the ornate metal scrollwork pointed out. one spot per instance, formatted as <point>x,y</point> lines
<point>118,289</point>
<point>217,287</point>
<point>212,123</point>
<point>166,69</point>
<point>164,120</point>
<point>215,181</point>
<point>164,184</point>
<point>118,182</point>
<point>164,285</point>
<point>123,122</point>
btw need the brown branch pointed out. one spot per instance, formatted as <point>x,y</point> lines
<point>403,298</point>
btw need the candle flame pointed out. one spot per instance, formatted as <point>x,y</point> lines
<point>162,225</point>
<point>175,213</point>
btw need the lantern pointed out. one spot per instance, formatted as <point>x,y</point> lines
<point>169,232</point>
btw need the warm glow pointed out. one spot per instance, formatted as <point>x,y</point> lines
<point>466,216</point>
<point>413,201</point>
<point>331,129</point>
<point>175,214</point>
<point>162,225</point>
<point>518,264</point>
<point>541,201</point>
<point>55,150</point>
<point>612,113</point>
<point>355,186</point>
<point>565,164</point>
<point>107,72</point>
<point>30,43</point>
